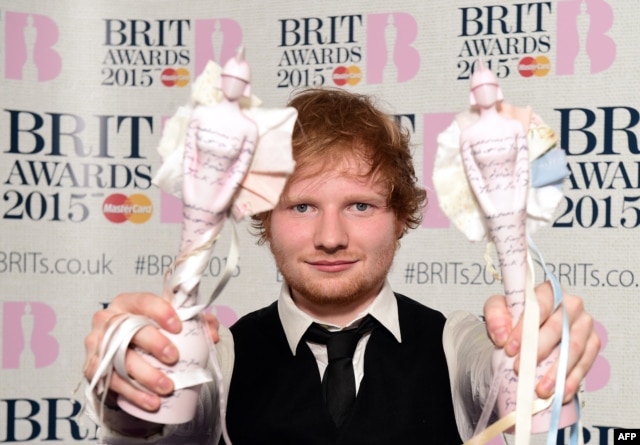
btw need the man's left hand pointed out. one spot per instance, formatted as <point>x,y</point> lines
<point>584,342</point>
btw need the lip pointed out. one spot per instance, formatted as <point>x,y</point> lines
<point>332,266</point>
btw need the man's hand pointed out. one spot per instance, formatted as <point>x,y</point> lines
<point>584,342</point>
<point>149,339</point>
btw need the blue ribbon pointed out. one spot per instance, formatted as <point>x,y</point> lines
<point>549,169</point>
<point>562,359</point>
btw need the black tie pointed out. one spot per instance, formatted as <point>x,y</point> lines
<point>338,382</point>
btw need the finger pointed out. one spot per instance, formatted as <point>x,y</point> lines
<point>148,339</point>
<point>498,320</point>
<point>140,370</point>
<point>154,380</point>
<point>151,340</point>
<point>580,325</point>
<point>150,305</point>
<point>147,374</point>
<point>580,370</point>
<point>584,345</point>
<point>143,399</point>
<point>213,325</point>
<point>544,296</point>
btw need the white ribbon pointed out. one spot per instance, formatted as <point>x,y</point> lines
<point>123,327</point>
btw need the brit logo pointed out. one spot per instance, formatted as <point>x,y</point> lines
<point>318,51</point>
<point>217,40</point>
<point>583,44</point>
<point>27,342</point>
<point>30,52</point>
<point>518,39</point>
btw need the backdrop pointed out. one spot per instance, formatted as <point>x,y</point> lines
<point>85,88</point>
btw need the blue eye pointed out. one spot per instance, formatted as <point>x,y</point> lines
<point>301,208</point>
<point>361,206</point>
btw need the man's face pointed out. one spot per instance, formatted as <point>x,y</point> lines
<point>333,238</point>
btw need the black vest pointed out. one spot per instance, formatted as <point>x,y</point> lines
<point>404,397</point>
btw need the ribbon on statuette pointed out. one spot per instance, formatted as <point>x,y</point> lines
<point>123,328</point>
<point>527,406</point>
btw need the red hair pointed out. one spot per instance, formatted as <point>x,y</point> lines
<point>335,125</point>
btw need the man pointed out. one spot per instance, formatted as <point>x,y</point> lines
<point>334,235</point>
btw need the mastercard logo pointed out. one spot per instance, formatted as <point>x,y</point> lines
<point>344,75</point>
<point>119,208</point>
<point>175,77</point>
<point>530,66</point>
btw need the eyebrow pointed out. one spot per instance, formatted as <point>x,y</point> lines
<point>370,196</point>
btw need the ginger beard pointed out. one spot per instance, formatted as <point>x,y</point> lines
<point>336,290</point>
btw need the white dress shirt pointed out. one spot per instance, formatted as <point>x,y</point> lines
<point>295,323</point>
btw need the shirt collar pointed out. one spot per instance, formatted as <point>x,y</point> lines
<point>295,322</point>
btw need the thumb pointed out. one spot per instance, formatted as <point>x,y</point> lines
<point>498,320</point>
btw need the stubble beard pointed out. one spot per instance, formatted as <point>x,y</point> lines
<point>338,290</point>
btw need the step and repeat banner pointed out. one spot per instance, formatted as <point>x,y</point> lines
<point>85,88</point>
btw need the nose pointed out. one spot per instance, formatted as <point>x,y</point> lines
<point>331,232</point>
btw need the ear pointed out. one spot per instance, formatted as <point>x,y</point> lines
<point>247,90</point>
<point>472,99</point>
<point>499,94</point>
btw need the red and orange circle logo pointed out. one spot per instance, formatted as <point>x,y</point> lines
<point>530,66</point>
<point>344,75</point>
<point>175,77</point>
<point>119,208</point>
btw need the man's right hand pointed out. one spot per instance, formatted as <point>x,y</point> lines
<point>149,339</point>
